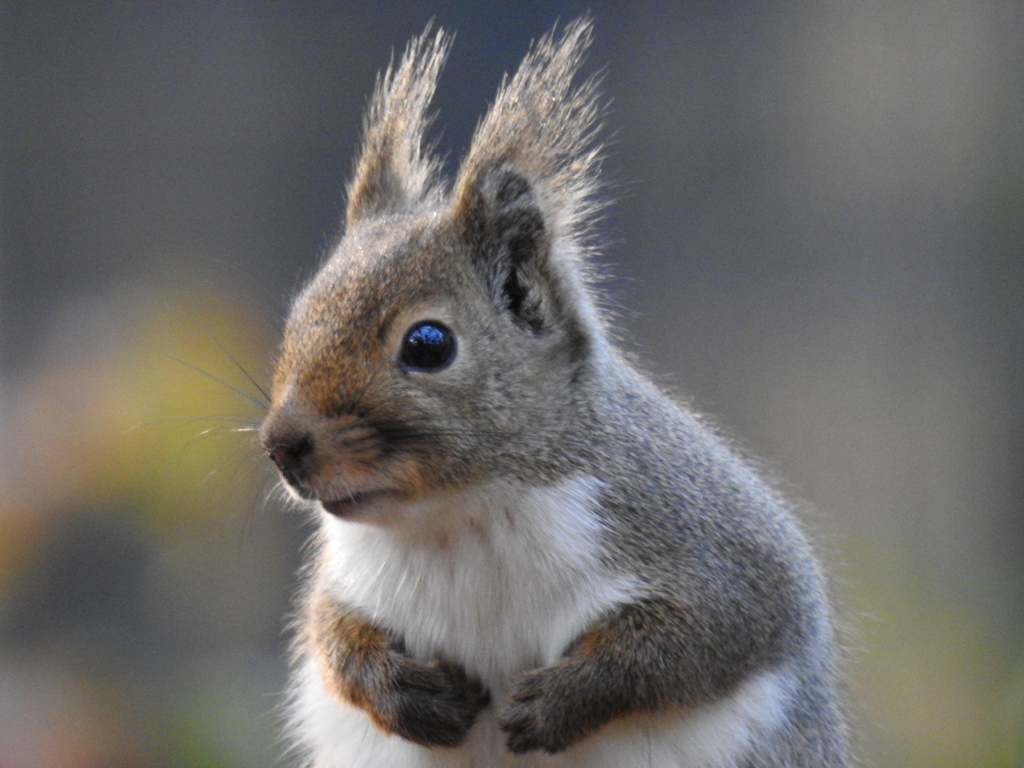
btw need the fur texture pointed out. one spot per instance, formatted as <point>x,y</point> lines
<point>528,555</point>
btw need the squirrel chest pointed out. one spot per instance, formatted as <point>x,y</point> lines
<point>497,579</point>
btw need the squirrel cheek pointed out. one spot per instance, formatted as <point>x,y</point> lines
<point>408,473</point>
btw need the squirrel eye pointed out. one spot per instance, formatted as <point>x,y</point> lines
<point>427,346</point>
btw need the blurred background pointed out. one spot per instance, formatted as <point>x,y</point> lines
<point>818,240</point>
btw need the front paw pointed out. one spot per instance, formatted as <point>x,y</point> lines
<point>364,665</point>
<point>543,711</point>
<point>433,705</point>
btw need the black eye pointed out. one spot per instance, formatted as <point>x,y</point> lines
<point>427,346</point>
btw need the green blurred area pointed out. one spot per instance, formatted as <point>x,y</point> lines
<point>820,238</point>
<point>145,582</point>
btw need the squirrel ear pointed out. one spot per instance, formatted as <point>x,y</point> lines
<point>505,227</point>
<point>393,172</point>
<point>526,188</point>
<point>545,126</point>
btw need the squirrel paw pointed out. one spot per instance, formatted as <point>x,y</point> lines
<point>539,712</point>
<point>431,704</point>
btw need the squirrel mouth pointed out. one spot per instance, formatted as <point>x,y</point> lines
<point>344,507</point>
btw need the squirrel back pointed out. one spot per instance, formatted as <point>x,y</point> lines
<point>528,554</point>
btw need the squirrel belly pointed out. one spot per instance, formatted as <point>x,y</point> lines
<point>715,737</point>
<point>527,555</point>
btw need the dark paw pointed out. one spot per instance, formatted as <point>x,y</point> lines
<point>434,704</point>
<point>538,715</point>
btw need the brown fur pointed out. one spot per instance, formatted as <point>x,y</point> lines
<point>431,704</point>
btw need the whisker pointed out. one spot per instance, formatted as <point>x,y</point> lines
<point>242,369</point>
<point>251,423</point>
<point>241,392</point>
<point>225,431</point>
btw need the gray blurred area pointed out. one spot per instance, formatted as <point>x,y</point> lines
<point>817,239</point>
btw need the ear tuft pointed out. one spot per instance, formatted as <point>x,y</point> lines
<point>544,126</point>
<point>394,173</point>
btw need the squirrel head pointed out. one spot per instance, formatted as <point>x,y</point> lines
<point>450,336</point>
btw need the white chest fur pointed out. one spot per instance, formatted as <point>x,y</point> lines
<point>497,579</point>
<point>500,580</point>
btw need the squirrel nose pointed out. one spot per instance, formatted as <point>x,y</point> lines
<point>287,451</point>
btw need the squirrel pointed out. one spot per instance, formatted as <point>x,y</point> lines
<point>526,554</point>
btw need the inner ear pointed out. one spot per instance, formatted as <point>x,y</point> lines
<point>514,246</point>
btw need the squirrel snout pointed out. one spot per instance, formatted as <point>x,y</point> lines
<point>287,456</point>
<point>288,450</point>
